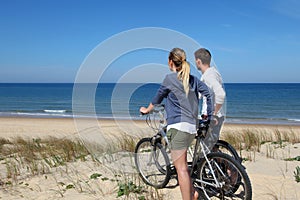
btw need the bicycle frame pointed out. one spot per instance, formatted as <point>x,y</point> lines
<point>161,135</point>
<point>196,156</point>
<point>210,171</point>
<point>205,151</point>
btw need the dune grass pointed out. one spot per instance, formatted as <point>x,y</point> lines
<point>249,141</point>
<point>22,158</point>
<point>36,156</point>
<point>252,139</point>
<point>297,174</point>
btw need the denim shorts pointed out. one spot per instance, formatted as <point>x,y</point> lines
<point>178,139</point>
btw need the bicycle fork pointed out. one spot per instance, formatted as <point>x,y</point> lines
<point>152,153</point>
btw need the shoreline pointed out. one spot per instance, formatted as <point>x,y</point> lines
<point>242,122</point>
<point>141,120</point>
<point>63,127</point>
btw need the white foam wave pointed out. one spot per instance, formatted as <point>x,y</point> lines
<point>296,120</point>
<point>55,111</point>
<point>40,114</point>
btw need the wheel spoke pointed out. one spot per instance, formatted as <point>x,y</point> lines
<point>224,178</point>
<point>152,163</point>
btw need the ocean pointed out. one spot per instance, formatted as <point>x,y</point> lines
<point>250,103</point>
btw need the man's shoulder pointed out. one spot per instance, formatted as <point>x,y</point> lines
<point>211,73</point>
<point>210,70</point>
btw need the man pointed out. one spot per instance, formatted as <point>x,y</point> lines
<point>212,78</point>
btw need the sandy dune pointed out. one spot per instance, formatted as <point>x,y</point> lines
<point>271,176</point>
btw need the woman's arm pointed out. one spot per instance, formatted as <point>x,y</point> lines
<point>144,110</point>
<point>161,93</point>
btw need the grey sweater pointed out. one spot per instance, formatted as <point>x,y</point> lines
<point>179,107</point>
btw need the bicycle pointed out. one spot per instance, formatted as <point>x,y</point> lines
<point>217,174</point>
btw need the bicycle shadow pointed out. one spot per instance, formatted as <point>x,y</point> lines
<point>173,182</point>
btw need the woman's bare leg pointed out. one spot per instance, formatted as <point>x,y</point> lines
<point>184,179</point>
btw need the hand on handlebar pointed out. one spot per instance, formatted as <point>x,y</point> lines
<point>214,119</point>
<point>144,110</point>
<point>204,117</point>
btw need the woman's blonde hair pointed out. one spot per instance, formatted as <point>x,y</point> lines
<point>178,57</point>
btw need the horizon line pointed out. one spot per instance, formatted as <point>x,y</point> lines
<point>141,82</point>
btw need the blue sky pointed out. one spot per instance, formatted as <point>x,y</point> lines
<point>251,41</point>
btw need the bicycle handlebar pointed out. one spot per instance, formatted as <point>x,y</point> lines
<point>204,123</point>
<point>156,118</point>
<point>159,109</point>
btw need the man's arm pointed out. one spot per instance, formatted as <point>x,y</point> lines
<point>203,89</point>
<point>219,92</point>
<point>217,108</point>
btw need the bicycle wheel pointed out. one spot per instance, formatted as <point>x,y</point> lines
<point>152,163</point>
<point>222,177</point>
<point>225,147</point>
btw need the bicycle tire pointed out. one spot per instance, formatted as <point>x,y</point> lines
<point>230,150</point>
<point>156,173</point>
<point>237,185</point>
<point>224,147</point>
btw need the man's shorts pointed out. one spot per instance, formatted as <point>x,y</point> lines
<point>178,139</point>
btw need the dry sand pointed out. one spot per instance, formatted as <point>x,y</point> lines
<point>271,178</point>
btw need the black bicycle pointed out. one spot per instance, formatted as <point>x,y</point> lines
<point>214,174</point>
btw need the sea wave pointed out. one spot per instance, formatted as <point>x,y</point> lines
<point>296,120</point>
<point>55,111</point>
<point>36,114</point>
<point>271,121</point>
<point>120,116</point>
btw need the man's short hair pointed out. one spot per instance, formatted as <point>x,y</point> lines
<point>204,55</point>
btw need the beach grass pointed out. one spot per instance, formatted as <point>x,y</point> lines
<point>252,139</point>
<point>297,174</point>
<point>25,158</point>
<point>30,157</point>
<point>36,156</point>
<point>249,141</point>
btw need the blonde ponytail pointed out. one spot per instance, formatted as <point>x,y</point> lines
<point>184,76</point>
<point>178,57</point>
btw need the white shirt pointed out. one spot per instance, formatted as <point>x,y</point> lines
<point>184,127</point>
<point>212,78</point>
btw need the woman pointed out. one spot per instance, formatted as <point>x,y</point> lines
<point>181,91</point>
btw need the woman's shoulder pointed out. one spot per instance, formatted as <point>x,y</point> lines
<point>194,78</point>
<point>169,79</point>
<point>171,76</point>
<point>195,82</point>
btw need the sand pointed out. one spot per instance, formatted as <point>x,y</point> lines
<point>271,176</point>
